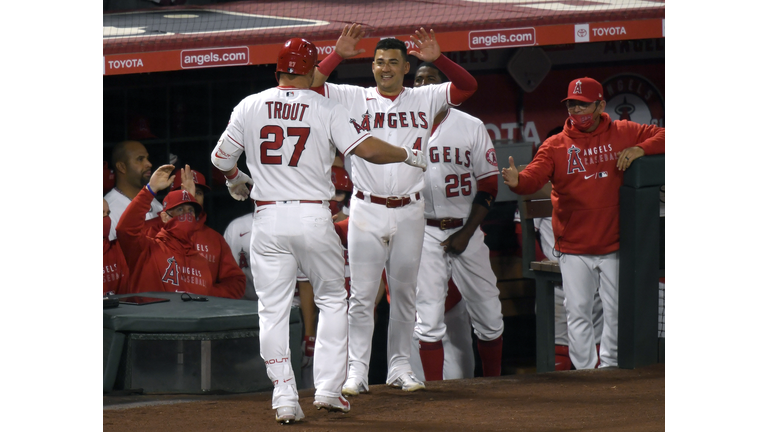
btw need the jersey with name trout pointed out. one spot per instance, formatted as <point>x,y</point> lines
<point>460,153</point>
<point>405,122</point>
<point>288,135</point>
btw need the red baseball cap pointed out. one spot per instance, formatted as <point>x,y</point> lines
<point>585,90</point>
<point>198,178</point>
<point>138,129</point>
<point>179,197</point>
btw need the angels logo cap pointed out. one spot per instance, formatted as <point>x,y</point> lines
<point>179,197</point>
<point>585,90</point>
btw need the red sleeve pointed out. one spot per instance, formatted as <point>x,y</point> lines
<point>651,139</point>
<point>328,64</point>
<point>463,84</point>
<point>489,184</point>
<point>230,282</point>
<point>342,228</point>
<point>131,226</point>
<point>537,173</point>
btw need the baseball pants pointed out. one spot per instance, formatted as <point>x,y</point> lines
<point>285,237</point>
<point>561,322</point>
<point>459,358</point>
<point>379,238</point>
<point>582,276</point>
<point>474,277</point>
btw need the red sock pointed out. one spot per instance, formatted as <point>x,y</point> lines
<point>562,358</point>
<point>432,356</point>
<point>490,355</point>
<point>309,346</point>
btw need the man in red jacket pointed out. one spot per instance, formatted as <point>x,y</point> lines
<point>167,261</point>
<point>586,164</point>
<point>115,268</point>
<point>228,278</point>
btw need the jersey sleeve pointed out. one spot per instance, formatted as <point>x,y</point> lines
<point>484,163</point>
<point>538,172</point>
<point>345,134</point>
<point>344,94</point>
<point>131,226</point>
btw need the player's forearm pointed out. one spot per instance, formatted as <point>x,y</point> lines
<point>325,68</point>
<point>654,143</point>
<point>463,84</point>
<point>379,152</point>
<point>476,216</point>
<point>129,228</point>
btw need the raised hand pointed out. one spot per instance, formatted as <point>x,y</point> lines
<point>187,180</point>
<point>162,178</point>
<point>428,48</point>
<point>510,174</point>
<point>350,36</point>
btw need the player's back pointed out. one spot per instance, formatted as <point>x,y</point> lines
<point>287,138</point>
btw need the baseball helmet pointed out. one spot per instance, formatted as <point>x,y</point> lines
<point>340,179</point>
<point>297,56</point>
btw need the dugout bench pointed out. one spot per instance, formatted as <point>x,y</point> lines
<point>641,266</point>
<point>189,347</point>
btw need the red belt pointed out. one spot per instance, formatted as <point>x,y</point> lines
<point>263,203</point>
<point>446,223</point>
<point>391,202</point>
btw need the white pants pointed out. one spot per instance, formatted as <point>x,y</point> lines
<point>561,321</point>
<point>459,356</point>
<point>287,236</point>
<point>471,272</point>
<point>382,237</point>
<point>582,276</point>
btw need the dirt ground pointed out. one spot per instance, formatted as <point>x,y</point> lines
<point>595,400</point>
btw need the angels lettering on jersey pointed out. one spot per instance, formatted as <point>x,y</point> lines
<point>391,120</point>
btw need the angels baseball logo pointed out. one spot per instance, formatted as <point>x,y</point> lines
<point>633,97</point>
<point>577,87</point>
<point>185,195</point>
<point>490,156</point>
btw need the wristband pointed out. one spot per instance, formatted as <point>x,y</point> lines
<point>150,190</point>
<point>233,175</point>
<point>327,66</point>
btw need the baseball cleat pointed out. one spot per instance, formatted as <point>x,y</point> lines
<point>332,403</point>
<point>408,382</point>
<point>288,415</point>
<point>353,388</point>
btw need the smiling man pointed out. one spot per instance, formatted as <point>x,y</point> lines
<point>133,169</point>
<point>386,227</point>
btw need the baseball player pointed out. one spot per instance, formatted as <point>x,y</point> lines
<point>115,268</point>
<point>238,237</point>
<point>132,172</point>
<point>586,164</point>
<point>228,279</point>
<point>461,183</point>
<point>289,135</point>
<point>386,227</point>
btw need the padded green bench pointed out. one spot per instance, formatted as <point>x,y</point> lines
<point>189,347</point>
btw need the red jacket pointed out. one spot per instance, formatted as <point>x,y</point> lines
<point>228,278</point>
<point>161,263</point>
<point>586,182</point>
<point>115,268</point>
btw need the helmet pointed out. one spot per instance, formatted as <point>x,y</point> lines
<point>340,179</point>
<point>298,56</point>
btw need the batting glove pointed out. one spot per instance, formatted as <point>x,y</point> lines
<point>416,158</point>
<point>238,186</point>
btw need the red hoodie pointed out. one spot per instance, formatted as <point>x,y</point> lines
<point>115,268</point>
<point>166,262</point>
<point>586,182</point>
<point>228,278</point>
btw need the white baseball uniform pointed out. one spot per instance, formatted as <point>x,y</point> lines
<point>375,239</point>
<point>238,237</point>
<point>117,205</point>
<point>290,137</point>
<point>460,153</point>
